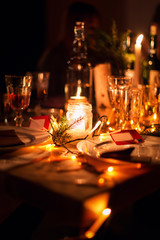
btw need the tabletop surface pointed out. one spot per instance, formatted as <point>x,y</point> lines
<point>53,183</point>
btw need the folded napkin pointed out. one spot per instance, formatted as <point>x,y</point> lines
<point>9,138</point>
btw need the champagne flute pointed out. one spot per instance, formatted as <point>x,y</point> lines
<point>19,92</point>
<point>117,86</point>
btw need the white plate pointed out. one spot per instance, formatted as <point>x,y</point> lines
<point>27,135</point>
<point>149,151</point>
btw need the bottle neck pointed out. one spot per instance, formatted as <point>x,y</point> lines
<point>153,45</point>
<point>79,44</point>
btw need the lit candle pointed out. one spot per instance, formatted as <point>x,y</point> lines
<point>137,66</point>
<point>79,115</point>
<point>79,91</point>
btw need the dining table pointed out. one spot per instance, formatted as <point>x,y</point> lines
<point>68,190</point>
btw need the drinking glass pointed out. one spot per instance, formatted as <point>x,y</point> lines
<point>151,104</point>
<point>132,109</point>
<point>116,86</point>
<point>19,92</point>
<point>40,83</point>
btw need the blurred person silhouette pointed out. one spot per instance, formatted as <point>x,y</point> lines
<point>55,60</point>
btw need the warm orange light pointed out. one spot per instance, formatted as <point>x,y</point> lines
<point>49,159</point>
<point>98,223</point>
<point>110,169</point>
<point>73,157</point>
<point>132,122</point>
<point>155,116</point>
<point>108,122</point>
<point>111,129</point>
<point>32,147</point>
<point>101,181</point>
<point>97,204</point>
<point>89,234</point>
<point>106,212</point>
<point>79,89</point>
<point>139,165</point>
<point>49,147</point>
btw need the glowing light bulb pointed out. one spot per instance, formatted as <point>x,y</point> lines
<point>110,169</point>
<point>73,157</point>
<point>106,212</point>
<point>89,234</point>
<point>101,181</point>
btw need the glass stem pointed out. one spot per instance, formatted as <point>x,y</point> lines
<point>18,119</point>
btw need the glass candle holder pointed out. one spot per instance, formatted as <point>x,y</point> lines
<point>79,115</point>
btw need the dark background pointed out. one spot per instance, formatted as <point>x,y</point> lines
<point>29,27</point>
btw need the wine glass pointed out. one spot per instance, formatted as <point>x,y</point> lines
<point>117,86</point>
<point>19,92</point>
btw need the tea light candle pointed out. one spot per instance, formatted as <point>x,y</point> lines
<point>79,113</point>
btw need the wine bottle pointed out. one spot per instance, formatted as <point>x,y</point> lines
<point>79,70</point>
<point>151,65</point>
<point>129,54</point>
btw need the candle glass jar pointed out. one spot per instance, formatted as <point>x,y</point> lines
<point>79,115</point>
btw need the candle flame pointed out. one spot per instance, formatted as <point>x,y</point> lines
<point>79,89</point>
<point>139,40</point>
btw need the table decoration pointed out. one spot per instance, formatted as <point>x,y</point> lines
<point>60,135</point>
<point>83,112</point>
<point>137,67</point>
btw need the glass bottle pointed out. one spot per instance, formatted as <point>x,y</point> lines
<point>79,71</point>
<point>151,65</point>
<point>129,54</point>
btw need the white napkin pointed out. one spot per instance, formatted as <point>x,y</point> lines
<point>13,137</point>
